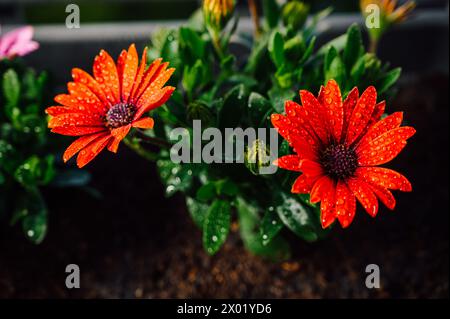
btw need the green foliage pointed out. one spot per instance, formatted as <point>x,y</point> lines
<point>27,160</point>
<point>242,88</point>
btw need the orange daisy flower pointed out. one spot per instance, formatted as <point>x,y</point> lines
<point>338,145</point>
<point>102,109</point>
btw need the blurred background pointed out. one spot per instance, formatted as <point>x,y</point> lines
<point>130,242</point>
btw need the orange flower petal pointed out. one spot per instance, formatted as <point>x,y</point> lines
<point>384,195</point>
<point>58,110</point>
<point>155,101</point>
<point>121,132</point>
<point>328,207</point>
<point>364,195</point>
<point>384,177</point>
<point>154,88</point>
<point>361,114</point>
<point>118,134</point>
<point>82,99</point>
<point>129,72</point>
<point>303,184</point>
<point>310,168</point>
<point>80,76</point>
<point>377,112</point>
<point>331,99</point>
<point>385,147</point>
<point>345,204</point>
<point>144,123</point>
<point>105,73</point>
<point>301,131</point>
<point>139,76</point>
<point>316,115</point>
<point>320,186</point>
<point>294,128</point>
<point>77,130</point>
<point>88,153</point>
<point>152,70</point>
<point>289,162</point>
<point>388,123</point>
<point>79,144</point>
<point>75,119</point>
<point>349,106</point>
<point>121,60</point>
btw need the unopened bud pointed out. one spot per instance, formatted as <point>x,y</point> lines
<point>217,13</point>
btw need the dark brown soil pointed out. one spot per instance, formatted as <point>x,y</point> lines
<point>133,243</point>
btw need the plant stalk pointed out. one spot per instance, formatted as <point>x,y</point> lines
<point>255,17</point>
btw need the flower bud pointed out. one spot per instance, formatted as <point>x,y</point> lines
<point>257,156</point>
<point>381,14</point>
<point>217,13</point>
<point>294,14</point>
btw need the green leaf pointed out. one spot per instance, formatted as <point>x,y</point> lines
<point>226,187</point>
<point>11,88</point>
<point>216,226</point>
<point>284,77</point>
<point>294,48</point>
<point>329,57</point>
<point>279,96</point>
<point>192,46</point>
<point>206,192</point>
<point>197,211</point>
<point>338,43</point>
<point>258,106</point>
<point>358,70</point>
<point>270,226</point>
<point>176,177</point>
<point>233,107</point>
<point>271,11</point>
<point>276,48</point>
<point>298,218</point>
<point>308,51</point>
<point>193,76</point>
<point>32,211</point>
<point>35,227</point>
<point>277,249</point>
<point>336,71</point>
<point>389,80</point>
<point>354,48</point>
<point>35,171</point>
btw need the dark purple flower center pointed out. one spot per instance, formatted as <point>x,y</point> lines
<point>339,161</point>
<point>120,115</point>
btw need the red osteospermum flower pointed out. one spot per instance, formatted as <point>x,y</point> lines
<point>338,145</point>
<point>102,109</point>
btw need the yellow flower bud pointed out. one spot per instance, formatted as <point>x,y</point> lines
<point>218,12</point>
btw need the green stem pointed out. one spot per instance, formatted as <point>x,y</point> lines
<point>215,37</point>
<point>135,146</point>
<point>154,140</point>
<point>373,46</point>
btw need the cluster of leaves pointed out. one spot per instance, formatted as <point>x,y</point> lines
<point>27,162</point>
<point>240,83</point>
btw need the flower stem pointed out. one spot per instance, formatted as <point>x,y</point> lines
<point>373,46</point>
<point>255,17</point>
<point>215,37</point>
<point>154,140</point>
<point>137,147</point>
